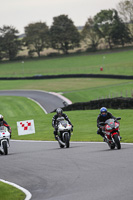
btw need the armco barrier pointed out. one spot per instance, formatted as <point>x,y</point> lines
<point>114,103</point>
<point>68,76</point>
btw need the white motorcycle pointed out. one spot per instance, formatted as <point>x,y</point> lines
<point>64,132</point>
<point>4,140</point>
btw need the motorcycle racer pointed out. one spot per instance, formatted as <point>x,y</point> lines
<point>59,113</point>
<point>102,117</point>
<point>4,123</point>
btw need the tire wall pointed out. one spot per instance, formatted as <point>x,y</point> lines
<point>114,103</point>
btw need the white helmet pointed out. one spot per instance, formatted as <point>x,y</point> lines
<point>1,117</point>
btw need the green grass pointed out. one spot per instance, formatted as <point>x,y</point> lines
<point>8,192</point>
<point>113,63</point>
<point>100,89</point>
<point>19,108</point>
<point>78,89</point>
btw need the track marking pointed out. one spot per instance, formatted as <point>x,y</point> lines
<point>51,93</point>
<point>38,104</point>
<point>74,142</point>
<point>27,193</point>
<point>61,97</point>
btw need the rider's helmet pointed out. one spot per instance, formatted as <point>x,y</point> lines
<point>103,111</point>
<point>1,117</point>
<point>59,111</point>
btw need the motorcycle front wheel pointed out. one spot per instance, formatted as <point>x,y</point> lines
<point>112,146</point>
<point>117,142</point>
<point>5,148</point>
<point>67,139</point>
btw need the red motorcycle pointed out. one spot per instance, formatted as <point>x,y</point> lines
<point>111,130</point>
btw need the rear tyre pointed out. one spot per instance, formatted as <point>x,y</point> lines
<point>61,146</point>
<point>67,139</point>
<point>5,147</point>
<point>112,146</point>
<point>117,142</point>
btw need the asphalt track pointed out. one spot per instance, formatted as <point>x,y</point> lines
<point>85,171</point>
<point>47,100</point>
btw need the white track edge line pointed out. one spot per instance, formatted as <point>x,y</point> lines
<point>74,142</point>
<point>61,97</point>
<point>27,193</point>
<point>53,93</point>
<point>38,104</point>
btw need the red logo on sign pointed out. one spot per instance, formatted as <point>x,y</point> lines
<point>25,125</point>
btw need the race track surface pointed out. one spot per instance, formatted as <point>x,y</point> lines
<point>85,171</point>
<point>47,100</point>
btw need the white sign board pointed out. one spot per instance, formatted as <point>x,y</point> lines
<point>26,127</point>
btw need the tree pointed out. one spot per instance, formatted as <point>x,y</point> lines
<point>64,35</point>
<point>120,33</point>
<point>103,24</point>
<point>90,35</point>
<point>37,37</point>
<point>9,43</point>
<point>110,26</point>
<point>125,10</point>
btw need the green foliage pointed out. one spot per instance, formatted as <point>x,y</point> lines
<point>37,37</point>
<point>9,192</point>
<point>103,21</point>
<point>90,36</point>
<point>120,32</point>
<point>125,9</point>
<point>64,35</point>
<point>109,25</point>
<point>9,43</point>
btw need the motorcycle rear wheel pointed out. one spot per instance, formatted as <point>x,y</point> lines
<point>117,142</point>
<point>5,147</point>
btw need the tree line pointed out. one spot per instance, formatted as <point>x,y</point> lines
<point>113,27</point>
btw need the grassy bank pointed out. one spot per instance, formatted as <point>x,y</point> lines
<point>78,89</point>
<point>19,108</point>
<point>8,192</point>
<point>112,63</point>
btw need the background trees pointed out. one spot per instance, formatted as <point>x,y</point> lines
<point>36,37</point>
<point>109,26</point>
<point>64,35</point>
<point>90,36</point>
<point>120,33</point>
<point>9,43</point>
<point>125,10</point>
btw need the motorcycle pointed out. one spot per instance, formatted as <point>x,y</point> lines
<point>110,128</point>
<point>4,140</point>
<point>64,132</point>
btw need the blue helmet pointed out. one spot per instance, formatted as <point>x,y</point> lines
<point>103,111</point>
